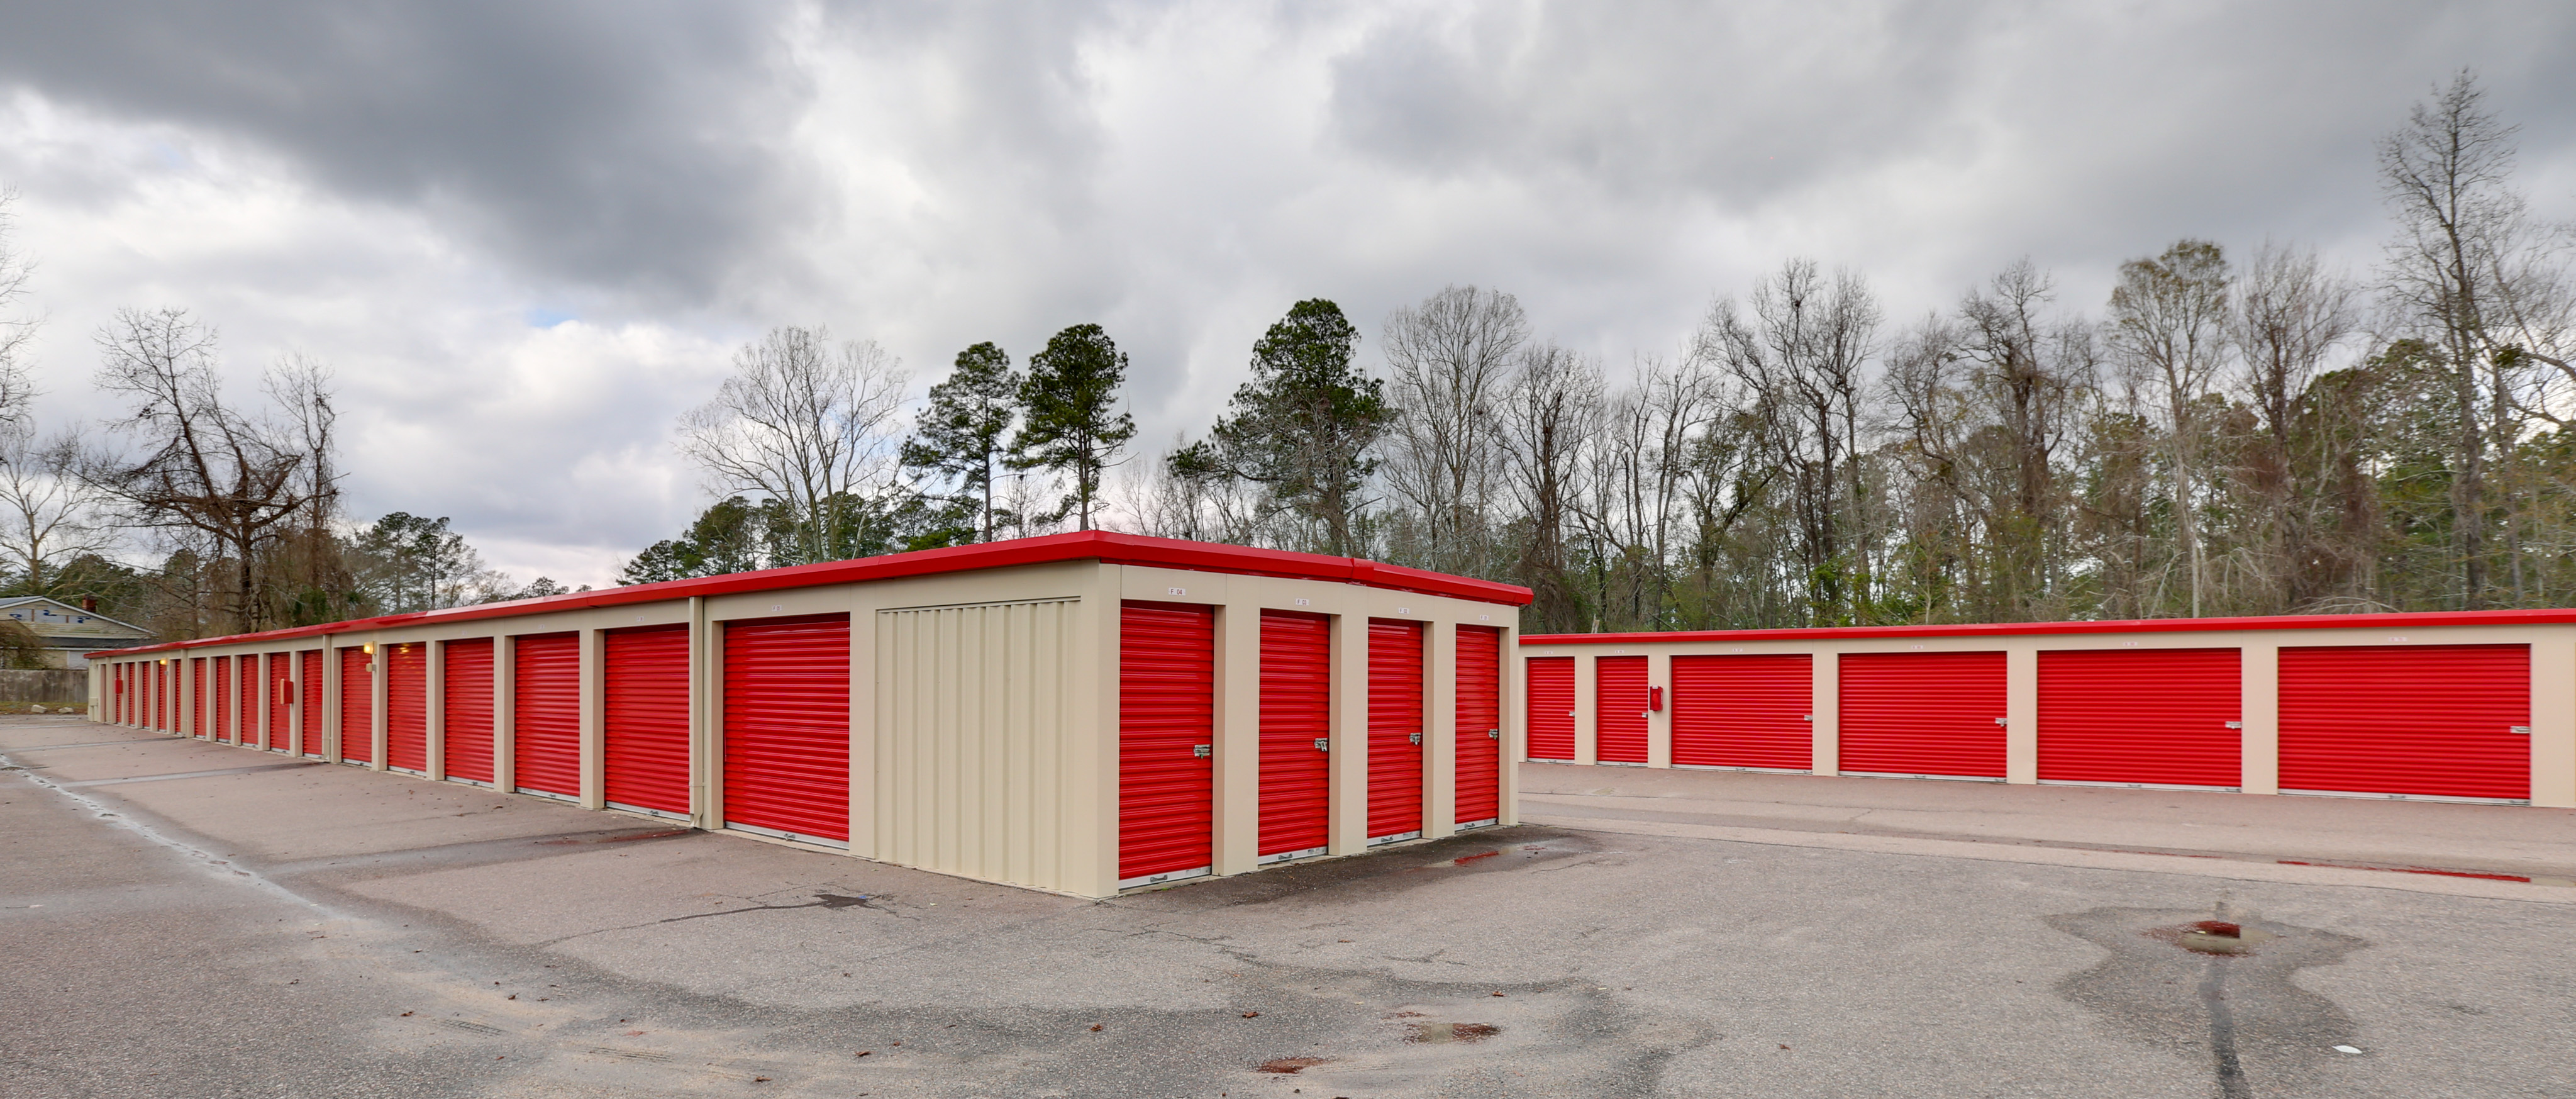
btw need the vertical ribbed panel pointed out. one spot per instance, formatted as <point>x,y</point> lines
<point>1551,708</point>
<point>1395,728</point>
<point>787,726</point>
<point>1743,711</point>
<point>246,683</point>
<point>310,706</point>
<point>645,731</point>
<point>407,705</point>
<point>974,708</point>
<point>357,707</point>
<point>1619,708</point>
<point>280,669</point>
<point>2429,720</point>
<point>1296,711</point>
<point>1166,709</point>
<point>545,706</point>
<point>1479,748</point>
<point>465,698</point>
<point>2152,717</point>
<point>1923,715</point>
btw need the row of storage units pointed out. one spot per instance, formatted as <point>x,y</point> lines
<point>1082,713</point>
<point>2469,706</point>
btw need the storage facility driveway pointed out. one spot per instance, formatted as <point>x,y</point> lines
<point>258,929</point>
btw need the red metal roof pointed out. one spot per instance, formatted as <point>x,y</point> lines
<point>1105,546</point>
<point>2415,619</point>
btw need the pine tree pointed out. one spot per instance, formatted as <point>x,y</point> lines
<point>961,434</point>
<point>1068,423</point>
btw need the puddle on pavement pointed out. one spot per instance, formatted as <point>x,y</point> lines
<point>2214,986</point>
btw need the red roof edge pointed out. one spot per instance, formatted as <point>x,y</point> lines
<point>1108,546</point>
<point>2401,619</point>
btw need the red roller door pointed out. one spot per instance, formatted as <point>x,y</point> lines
<point>1395,731</point>
<point>646,734</point>
<point>545,704</point>
<point>1551,708</point>
<point>357,707</point>
<point>246,701</point>
<point>281,701</point>
<point>1923,715</point>
<point>2445,721</point>
<point>1296,724</point>
<point>787,728</point>
<point>1478,752</point>
<point>2141,717</point>
<point>407,707</point>
<point>310,665</point>
<point>1619,708</point>
<point>1166,728</point>
<point>201,723</point>
<point>1744,711</point>
<point>465,697</point>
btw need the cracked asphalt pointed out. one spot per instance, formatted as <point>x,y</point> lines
<point>233,927</point>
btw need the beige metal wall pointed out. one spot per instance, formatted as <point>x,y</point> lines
<point>2553,687</point>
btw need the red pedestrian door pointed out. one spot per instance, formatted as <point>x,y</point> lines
<point>1619,701</point>
<point>465,697</point>
<point>1296,727</point>
<point>1479,729</point>
<point>1395,707</point>
<point>357,706</point>
<point>407,707</point>
<point>1748,712</point>
<point>787,728</point>
<point>2149,718</point>
<point>1166,742</point>
<point>1551,709</point>
<point>646,734</point>
<point>545,715</point>
<point>1923,715</point>
<point>2412,721</point>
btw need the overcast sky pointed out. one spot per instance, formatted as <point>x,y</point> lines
<point>526,236</point>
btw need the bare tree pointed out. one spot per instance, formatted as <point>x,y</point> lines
<point>48,512</point>
<point>16,329</point>
<point>2168,328</point>
<point>807,423</point>
<point>1555,407</point>
<point>2291,316</point>
<point>1449,362</point>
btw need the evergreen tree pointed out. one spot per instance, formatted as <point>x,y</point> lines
<point>1070,424</point>
<point>960,436</point>
<point>1303,426</point>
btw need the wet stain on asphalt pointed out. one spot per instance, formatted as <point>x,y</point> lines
<point>826,901</point>
<point>2214,986</point>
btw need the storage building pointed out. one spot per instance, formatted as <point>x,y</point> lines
<point>1082,713</point>
<point>2468,706</point>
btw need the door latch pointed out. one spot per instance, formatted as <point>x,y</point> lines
<point>1493,734</point>
<point>1415,738</point>
<point>2003,722</point>
<point>2235,724</point>
<point>1202,751</point>
<point>2523,730</point>
<point>1323,744</point>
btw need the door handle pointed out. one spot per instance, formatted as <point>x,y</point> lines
<point>1493,734</point>
<point>1202,751</point>
<point>1323,744</point>
<point>1415,738</point>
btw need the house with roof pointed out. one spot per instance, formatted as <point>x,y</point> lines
<point>70,632</point>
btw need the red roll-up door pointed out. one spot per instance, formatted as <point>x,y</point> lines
<point>201,722</point>
<point>1395,730</point>
<point>1166,724</point>
<point>545,705</point>
<point>787,728</point>
<point>465,700</point>
<point>309,663</point>
<point>1744,711</point>
<point>2141,717</point>
<point>281,701</point>
<point>1923,715</point>
<point>357,707</point>
<point>1296,724</point>
<point>246,701</point>
<point>2444,721</point>
<point>407,707</point>
<point>1619,708</point>
<point>219,710</point>
<point>1478,752</point>
<point>646,734</point>
<point>1551,708</point>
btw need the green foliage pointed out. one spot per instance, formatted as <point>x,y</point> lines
<point>736,535</point>
<point>960,436</point>
<point>1303,426</point>
<point>1070,420</point>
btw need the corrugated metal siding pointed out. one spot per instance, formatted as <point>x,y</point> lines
<point>1743,711</point>
<point>246,700</point>
<point>281,701</point>
<point>1551,708</point>
<point>407,706</point>
<point>357,707</point>
<point>2150,717</point>
<point>1479,750</point>
<point>310,662</point>
<point>1395,728</point>
<point>646,729</point>
<point>1619,708</point>
<point>2427,720</point>
<point>1925,715</point>
<point>1166,711</point>
<point>974,768</point>
<point>545,708</point>
<point>787,727</point>
<point>465,697</point>
<point>1296,712</point>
